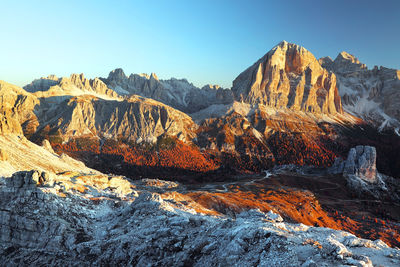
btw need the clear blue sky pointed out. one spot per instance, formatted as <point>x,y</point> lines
<point>203,41</point>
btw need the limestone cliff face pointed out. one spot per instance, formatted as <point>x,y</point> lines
<point>289,77</point>
<point>16,109</point>
<point>137,119</point>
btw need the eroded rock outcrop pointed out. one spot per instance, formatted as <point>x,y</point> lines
<point>361,162</point>
<point>289,77</point>
<point>27,179</point>
<point>362,176</point>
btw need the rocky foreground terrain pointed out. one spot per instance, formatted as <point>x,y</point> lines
<point>80,219</point>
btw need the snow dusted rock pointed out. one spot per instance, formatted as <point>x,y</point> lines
<point>372,94</point>
<point>41,227</point>
<point>361,162</point>
<point>274,216</point>
<point>270,216</point>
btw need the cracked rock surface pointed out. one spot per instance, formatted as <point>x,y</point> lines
<point>50,220</point>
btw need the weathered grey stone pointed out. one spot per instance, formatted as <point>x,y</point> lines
<point>27,179</point>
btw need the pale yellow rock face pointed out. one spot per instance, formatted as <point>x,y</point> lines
<point>16,108</point>
<point>289,77</point>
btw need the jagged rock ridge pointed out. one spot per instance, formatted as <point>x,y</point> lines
<point>76,84</point>
<point>372,94</point>
<point>178,93</point>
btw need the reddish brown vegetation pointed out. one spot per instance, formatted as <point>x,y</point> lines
<point>171,154</point>
<point>300,149</point>
<point>297,206</point>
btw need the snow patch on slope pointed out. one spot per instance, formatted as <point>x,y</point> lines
<point>370,110</point>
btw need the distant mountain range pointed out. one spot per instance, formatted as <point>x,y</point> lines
<point>288,107</point>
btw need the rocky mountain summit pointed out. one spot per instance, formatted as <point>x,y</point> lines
<point>289,77</point>
<point>371,94</point>
<point>344,63</point>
